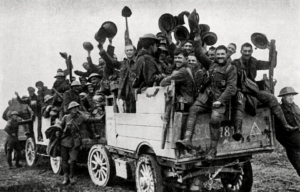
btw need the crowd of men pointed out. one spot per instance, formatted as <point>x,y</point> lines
<point>206,80</point>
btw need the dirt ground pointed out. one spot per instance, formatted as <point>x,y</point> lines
<point>272,172</point>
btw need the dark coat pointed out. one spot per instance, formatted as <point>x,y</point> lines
<point>223,77</point>
<point>71,136</point>
<point>70,96</point>
<point>62,86</point>
<point>251,66</point>
<point>183,82</point>
<point>147,70</point>
<point>54,141</point>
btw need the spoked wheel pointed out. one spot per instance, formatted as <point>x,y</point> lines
<point>100,165</point>
<point>56,165</point>
<point>148,176</point>
<point>239,182</point>
<point>30,152</point>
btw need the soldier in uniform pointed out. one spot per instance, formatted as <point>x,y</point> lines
<point>188,46</point>
<point>95,80</point>
<point>127,75</point>
<point>71,140</point>
<point>211,53</point>
<point>290,139</point>
<point>183,78</point>
<point>12,142</point>
<point>231,50</point>
<point>247,67</point>
<point>71,95</point>
<point>147,70</point>
<point>216,96</point>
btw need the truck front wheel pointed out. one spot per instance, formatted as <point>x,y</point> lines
<point>239,182</point>
<point>148,175</point>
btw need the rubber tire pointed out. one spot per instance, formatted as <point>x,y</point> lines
<point>111,172</point>
<point>30,141</point>
<point>156,171</point>
<point>58,171</point>
<point>247,181</point>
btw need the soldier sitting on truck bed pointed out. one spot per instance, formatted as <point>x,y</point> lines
<point>247,67</point>
<point>216,96</point>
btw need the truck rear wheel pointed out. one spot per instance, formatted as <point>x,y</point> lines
<point>239,182</point>
<point>100,165</point>
<point>30,152</point>
<point>148,175</point>
<point>56,165</point>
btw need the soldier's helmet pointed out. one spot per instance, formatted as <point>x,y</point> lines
<point>75,83</point>
<point>93,75</point>
<point>47,98</point>
<point>14,113</point>
<point>72,105</point>
<point>287,91</point>
<point>59,74</point>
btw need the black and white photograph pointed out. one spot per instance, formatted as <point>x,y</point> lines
<point>150,96</point>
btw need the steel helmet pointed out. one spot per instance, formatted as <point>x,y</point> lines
<point>72,105</point>
<point>260,40</point>
<point>24,97</point>
<point>181,17</point>
<point>83,94</point>
<point>204,28</point>
<point>209,38</point>
<point>31,89</point>
<point>47,98</point>
<point>150,36</point>
<point>14,113</point>
<point>75,83</point>
<point>181,33</point>
<point>101,35</point>
<point>166,22</point>
<point>59,74</point>
<point>287,91</point>
<point>110,28</point>
<point>93,75</point>
<point>39,84</point>
<point>88,46</point>
<point>193,19</point>
<point>126,12</point>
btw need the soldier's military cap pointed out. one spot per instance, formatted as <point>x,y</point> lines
<point>72,105</point>
<point>75,83</point>
<point>31,89</point>
<point>287,91</point>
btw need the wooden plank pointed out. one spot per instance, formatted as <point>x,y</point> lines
<point>141,132</point>
<point>110,126</point>
<point>151,105</point>
<point>153,120</point>
<point>132,144</point>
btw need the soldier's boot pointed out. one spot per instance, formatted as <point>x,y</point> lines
<point>18,154</point>
<point>277,111</point>
<point>9,158</point>
<point>94,133</point>
<point>214,136</point>
<point>66,179</point>
<point>72,178</point>
<point>187,141</point>
<point>237,135</point>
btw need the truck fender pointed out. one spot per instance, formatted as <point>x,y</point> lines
<point>144,147</point>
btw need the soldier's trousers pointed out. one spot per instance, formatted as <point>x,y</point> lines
<point>11,146</point>
<point>217,115</point>
<point>291,142</point>
<point>69,157</point>
<point>263,97</point>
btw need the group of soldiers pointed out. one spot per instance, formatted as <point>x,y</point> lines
<point>206,80</point>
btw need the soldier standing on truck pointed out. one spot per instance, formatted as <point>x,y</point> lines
<point>216,96</point>
<point>127,75</point>
<point>183,78</point>
<point>247,67</point>
<point>71,95</point>
<point>12,142</point>
<point>71,140</point>
<point>290,139</point>
<point>147,70</point>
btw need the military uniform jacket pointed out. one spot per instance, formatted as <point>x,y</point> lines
<point>147,70</point>
<point>70,96</point>
<point>61,86</point>
<point>291,113</point>
<point>250,67</point>
<point>183,82</point>
<point>223,78</point>
<point>71,136</point>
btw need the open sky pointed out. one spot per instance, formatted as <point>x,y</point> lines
<point>33,32</point>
